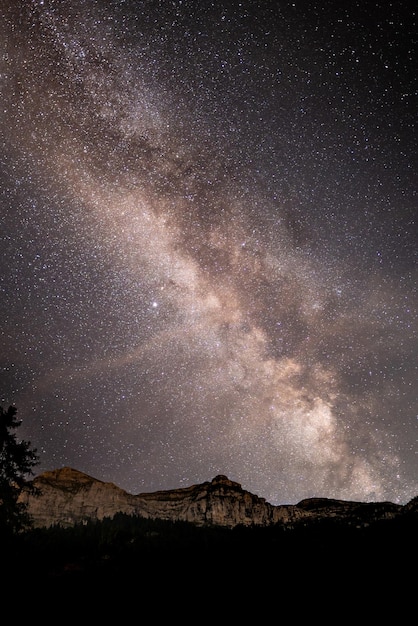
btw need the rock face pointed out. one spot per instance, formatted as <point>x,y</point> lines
<point>67,497</point>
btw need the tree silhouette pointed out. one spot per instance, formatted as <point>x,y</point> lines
<point>16,462</point>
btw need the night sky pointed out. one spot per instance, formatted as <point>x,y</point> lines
<point>208,242</point>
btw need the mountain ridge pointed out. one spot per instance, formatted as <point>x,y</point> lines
<point>67,497</point>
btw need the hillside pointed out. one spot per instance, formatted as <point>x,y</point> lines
<point>95,545</point>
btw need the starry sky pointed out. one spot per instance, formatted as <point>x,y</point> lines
<point>208,242</point>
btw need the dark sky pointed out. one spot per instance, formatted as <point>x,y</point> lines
<point>208,242</point>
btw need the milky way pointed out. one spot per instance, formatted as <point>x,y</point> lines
<point>208,257</point>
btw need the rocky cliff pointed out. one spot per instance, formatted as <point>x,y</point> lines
<point>67,497</point>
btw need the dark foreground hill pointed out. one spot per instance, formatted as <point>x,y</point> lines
<point>208,545</point>
<point>171,568</point>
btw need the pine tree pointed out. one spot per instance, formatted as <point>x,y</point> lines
<point>17,460</point>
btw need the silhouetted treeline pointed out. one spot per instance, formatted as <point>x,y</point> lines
<point>128,550</point>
